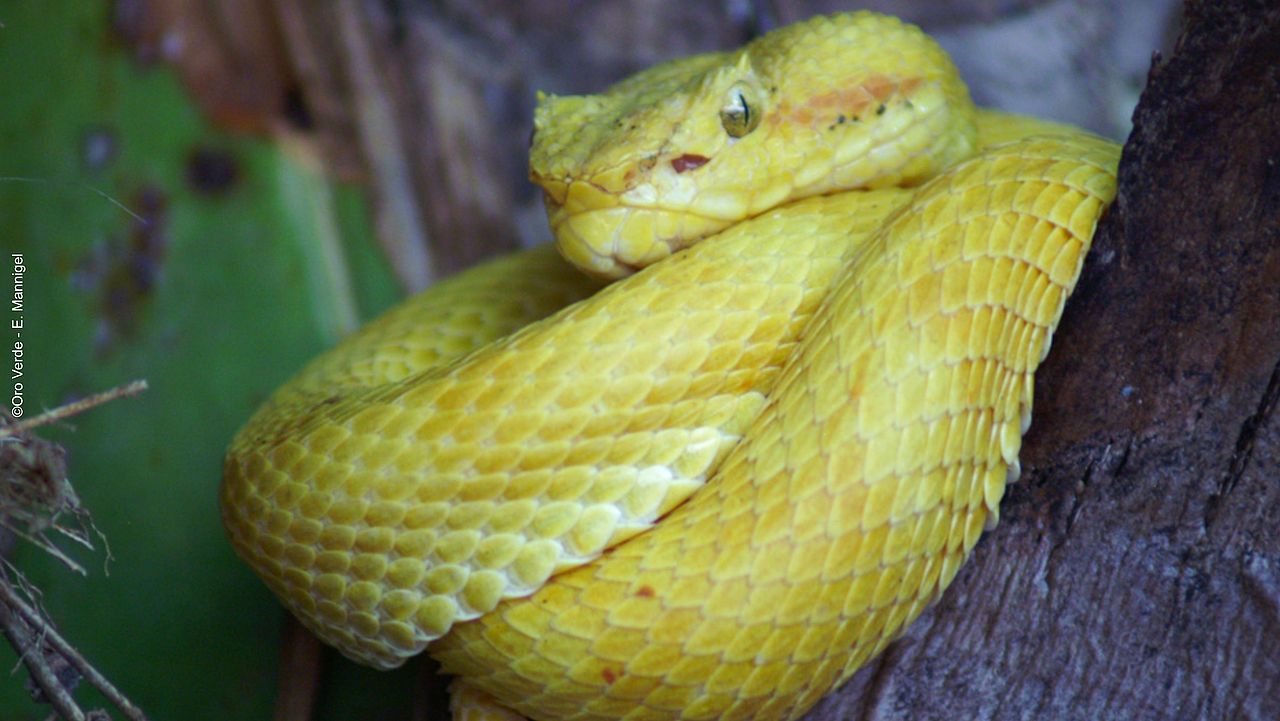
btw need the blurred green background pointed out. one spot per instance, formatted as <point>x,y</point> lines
<point>249,263</point>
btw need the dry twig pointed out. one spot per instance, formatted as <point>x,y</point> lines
<point>36,498</point>
<point>74,408</point>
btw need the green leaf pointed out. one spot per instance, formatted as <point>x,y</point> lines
<point>220,298</point>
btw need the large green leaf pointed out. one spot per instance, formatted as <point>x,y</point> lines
<point>216,302</point>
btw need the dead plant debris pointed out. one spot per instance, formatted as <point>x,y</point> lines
<point>39,505</point>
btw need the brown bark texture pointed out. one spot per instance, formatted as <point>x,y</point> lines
<point>1135,573</point>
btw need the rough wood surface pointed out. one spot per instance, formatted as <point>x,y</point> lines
<point>1136,572</point>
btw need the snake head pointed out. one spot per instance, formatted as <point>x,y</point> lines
<point>624,173</point>
<point>683,150</point>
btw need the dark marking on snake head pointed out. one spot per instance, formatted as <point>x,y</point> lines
<point>880,110</point>
<point>689,161</point>
<point>608,675</point>
<point>645,592</point>
<point>211,171</point>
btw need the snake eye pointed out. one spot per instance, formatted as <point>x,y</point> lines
<point>737,116</point>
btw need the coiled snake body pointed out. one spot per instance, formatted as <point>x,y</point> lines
<point>716,487</point>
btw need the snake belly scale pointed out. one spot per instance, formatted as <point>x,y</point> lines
<point>715,487</point>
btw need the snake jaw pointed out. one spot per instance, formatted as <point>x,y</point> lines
<point>625,218</point>
<point>614,242</point>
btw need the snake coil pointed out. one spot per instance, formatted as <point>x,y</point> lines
<point>716,487</point>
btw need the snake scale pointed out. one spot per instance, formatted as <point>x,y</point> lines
<point>713,488</point>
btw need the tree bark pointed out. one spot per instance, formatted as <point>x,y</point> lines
<point>1136,571</point>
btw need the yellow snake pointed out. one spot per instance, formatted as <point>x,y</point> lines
<point>716,487</point>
